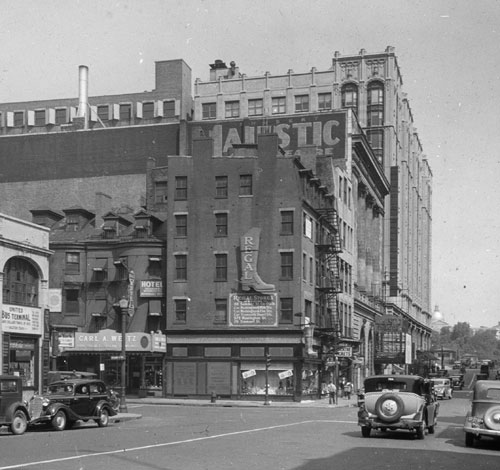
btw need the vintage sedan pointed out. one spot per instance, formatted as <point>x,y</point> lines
<point>395,402</point>
<point>13,410</point>
<point>484,417</point>
<point>72,400</point>
<point>443,388</point>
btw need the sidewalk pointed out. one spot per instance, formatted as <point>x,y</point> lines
<point>134,400</point>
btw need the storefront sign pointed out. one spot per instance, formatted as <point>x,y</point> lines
<point>151,289</point>
<point>327,131</point>
<point>251,310</point>
<point>17,319</point>
<point>248,373</point>
<point>345,352</point>
<point>111,341</point>
<point>285,374</point>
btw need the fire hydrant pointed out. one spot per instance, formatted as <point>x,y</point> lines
<point>213,398</point>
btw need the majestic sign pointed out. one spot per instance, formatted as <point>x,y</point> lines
<point>253,310</point>
<point>18,319</point>
<point>327,131</point>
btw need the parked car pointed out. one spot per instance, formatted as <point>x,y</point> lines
<point>457,365</point>
<point>443,388</point>
<point>13,411</point>
<point>398,402</point>
<point>484,417</point>
<point>72,400</point>
<point>457,382</point>
<point>56,375</point>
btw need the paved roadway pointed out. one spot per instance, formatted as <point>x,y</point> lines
<point>295,436</point>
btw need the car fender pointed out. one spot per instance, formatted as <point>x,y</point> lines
<point>105,405</point>
<point>18,405</point>
<point>53,408</point>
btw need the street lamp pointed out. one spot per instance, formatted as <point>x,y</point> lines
<point>123,303</point>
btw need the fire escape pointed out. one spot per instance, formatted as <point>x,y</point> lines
<point>329,285</point>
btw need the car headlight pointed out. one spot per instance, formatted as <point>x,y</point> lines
<point>475,421</point>
<point>45,402</point>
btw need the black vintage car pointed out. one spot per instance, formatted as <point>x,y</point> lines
<point>13,411</point>
<point>394,402</point>
<point>72,400</point>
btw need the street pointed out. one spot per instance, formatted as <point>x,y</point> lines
<point>267,437</point>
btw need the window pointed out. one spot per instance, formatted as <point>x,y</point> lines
<point>71,301</point>
<point>221,267</point>
<point>208,110</point>
<point>221,224</point>
<point>180,310</point>
<point>279,105</point>
<point>324,101</point>
<point>245,185</point>
<point>100,270</point>
<point>220,311</point>
<point>232,109</point>
<point>121,268</point>
<point>40,117</point>
<point>286,310</point>
<point>72,262</point>
<point>125,112</point>
<point>168,108</point>
<point>311,270</point>
<point>181,267</point>
<point>221,186</point>
<point>304,267</point>
<point>20,285</point>
<point>72,223</point>
<point>181,188</point>
<point>302,103</point>
<point>18,118</point>
<point>287,265</point>
<point>61,116</point>
<point>255,107</point>
<point>376,139</point>
<point>350,97</point>
<point>375,107</point>
<point>181,225</point>
<point>148,110</point>
<point>161,188</point>
<point>286,222</point>
<point>103,112</point>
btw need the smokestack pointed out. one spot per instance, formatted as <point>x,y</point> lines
<point>83,97</point>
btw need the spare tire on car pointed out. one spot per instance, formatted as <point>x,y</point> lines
<point>389,407</point>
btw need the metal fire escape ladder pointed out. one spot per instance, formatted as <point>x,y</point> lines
<point>328,252</point>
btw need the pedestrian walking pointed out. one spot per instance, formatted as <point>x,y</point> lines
<point>348,390</point>
<point>332,390</point>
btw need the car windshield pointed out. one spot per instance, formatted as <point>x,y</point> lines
<point>395,386</point>
<point>60,389</point>
<point>439,382</point>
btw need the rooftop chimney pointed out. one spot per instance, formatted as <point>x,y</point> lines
<point>83,96</point>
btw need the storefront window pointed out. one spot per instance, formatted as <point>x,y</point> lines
<point>22,360</point>
<point>310,380</point>
<point>153,373</point>
<point>253,380</point>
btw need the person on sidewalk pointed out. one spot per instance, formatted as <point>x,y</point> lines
<point>348,390</point>
<point>332,390</point>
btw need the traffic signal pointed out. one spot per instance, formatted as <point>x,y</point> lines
<point>268,360</point>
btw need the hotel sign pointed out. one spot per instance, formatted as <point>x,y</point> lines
<point>151,289</point>
<point>17,319</point>
<point>253,310</point>
<point>327,131</point>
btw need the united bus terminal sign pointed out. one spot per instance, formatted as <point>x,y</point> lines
<point>17,319</point>
<point>327,131</point>
<point>111,341</point>
<point>390,340</point>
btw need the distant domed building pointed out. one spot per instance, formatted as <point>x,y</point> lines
<point>438,323</point>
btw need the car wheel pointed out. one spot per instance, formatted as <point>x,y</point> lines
<point>365,431</point>
<point>469,439</point>
<point>389,407</point>
<point>103,420</point>
<point>492,418</point>
<point>19,423</point>
<point>59,421</point>
<point>420,433</point>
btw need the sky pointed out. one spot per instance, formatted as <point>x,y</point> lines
<point>448,53</point>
